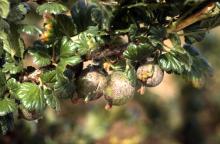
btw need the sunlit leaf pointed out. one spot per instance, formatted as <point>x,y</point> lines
<point>31,30</point>
<point>49,78</point>
<point>72,61</point>
<point>68,47</point>
<point>7,106</point>
<point>31,96</point>
<point>4,8</point>
<point>175,39</point>
<point>51,99</point>
<point>12,42</point>
<point>138,52</point>
<point>13,86</point>
<point>6,43</point>
<point>12,68</point>
<point>131,73</point>
<point>175,61</point>
<point>51,7</point>
<point>40,56</point>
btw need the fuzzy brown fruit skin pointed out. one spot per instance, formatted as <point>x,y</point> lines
<point>90,85</point>
<point>119,89</point>
<point>28,115</point>
<point>150,74</point>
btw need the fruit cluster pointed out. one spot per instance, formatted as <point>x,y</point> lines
<point>124,40</point>
<point>115,86</point>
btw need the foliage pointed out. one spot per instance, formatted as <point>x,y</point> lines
<point>65,43</point>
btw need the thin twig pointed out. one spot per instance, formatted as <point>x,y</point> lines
<point>200,15</point>
<point>108,52</point>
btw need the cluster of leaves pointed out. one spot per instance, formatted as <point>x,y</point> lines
<point>66,41</point>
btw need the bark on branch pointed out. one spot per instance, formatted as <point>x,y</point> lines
<point>198,16</point>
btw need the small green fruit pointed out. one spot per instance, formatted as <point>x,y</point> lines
<point>119,89</point>
<point>150,74</point>
<point>90,85</point>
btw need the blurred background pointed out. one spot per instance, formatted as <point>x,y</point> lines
<point>172,113</point>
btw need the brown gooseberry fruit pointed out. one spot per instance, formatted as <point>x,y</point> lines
<point>119,89</point>
<point>90,85</point>
<point>150,74</point>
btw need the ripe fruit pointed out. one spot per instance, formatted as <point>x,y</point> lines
<point>150,74</point>
<point>28,115</point>
<point>119,89</point>
<point>90,85</point>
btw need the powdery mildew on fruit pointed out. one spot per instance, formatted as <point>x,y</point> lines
<point>91,85</point>
<point>119,89</point>
<point>150,75</point>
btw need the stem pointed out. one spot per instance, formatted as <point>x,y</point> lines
<point>54,52</point>
<point>195,32</point>
<point>53,55</point>
<point>107,52</point>
<point>200,15</point>
<point>187,13</point>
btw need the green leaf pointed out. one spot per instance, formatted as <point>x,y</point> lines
<point>23,7</point>
<point>192,35</point>
<point>131,73</point>
<point>195,33</point>
<point>65,25</point>
<point>6,43</point>
<point>31,96</point>
<point>41,54</point>
<point>49,78</point>
<point>85,14</point>
<point>72,61</point>
<point>88,41</point>
<point>40,57</point>
<point>191,50</point>
<point>12,68</point>
<point>13,86</point>
<point>175,39</point>
<point>51,7</point>
<point>4,8</point>
<point>51,99</point>
<point>157,32</point>
<point>7,106</point>
<point>175,61</point>
<point>138,52</point>
<point>4,26</point>
<point>68,47</point>
<point>64,88</point>
<point>16,42</point>
<point>12,42</point>
<point>31,30</point>
<point>200,69</point>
